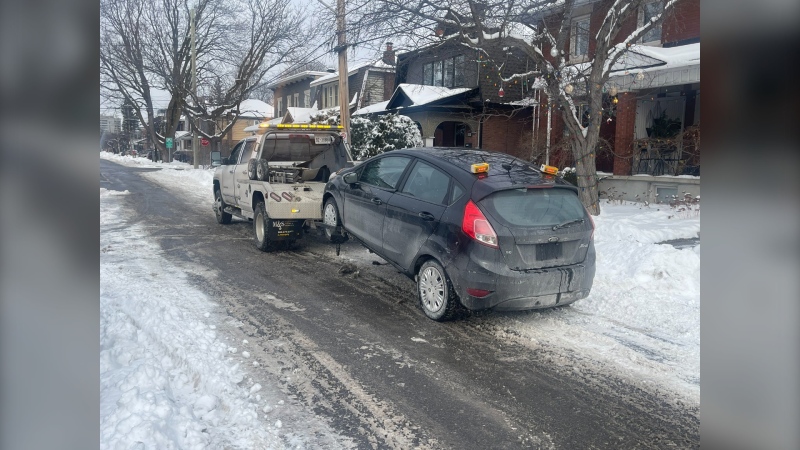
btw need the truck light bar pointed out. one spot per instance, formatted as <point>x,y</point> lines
<point>305,126</point>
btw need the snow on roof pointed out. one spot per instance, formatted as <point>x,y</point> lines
<point>377,65</point>
<point>300,115</point>
<point>296,77</point>
<point>680,56</point>
<point>421,94</point>
<point>677,65</point>
<point>377,107</point>
<point>256,109</point>
<point>182,135</point>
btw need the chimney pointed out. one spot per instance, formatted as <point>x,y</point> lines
<point>388,54</point>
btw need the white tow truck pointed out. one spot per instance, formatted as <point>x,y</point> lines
<point>277,179</point>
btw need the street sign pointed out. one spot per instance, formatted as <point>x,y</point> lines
<point>204,142</point>
<point>168,142</point>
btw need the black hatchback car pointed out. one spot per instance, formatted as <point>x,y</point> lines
<point>474,228</point>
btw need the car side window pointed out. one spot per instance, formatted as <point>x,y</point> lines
<point>234,158</point>
<point>384,172</point>
<point>458,191</point>
<point>427,183</point>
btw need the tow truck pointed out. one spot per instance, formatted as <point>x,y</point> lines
<point>277,179</point>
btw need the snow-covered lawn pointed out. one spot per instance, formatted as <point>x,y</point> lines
<point>166,373</point>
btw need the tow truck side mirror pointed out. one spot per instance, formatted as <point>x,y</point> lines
<point>216,159</point>
<point>350,178</point>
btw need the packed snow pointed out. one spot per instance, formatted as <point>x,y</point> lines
<point>171,378</point>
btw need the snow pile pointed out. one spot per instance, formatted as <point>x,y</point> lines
<point>166,379</point>
<point>642,318</point>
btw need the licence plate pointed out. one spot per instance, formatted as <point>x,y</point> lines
<point>323,139</point>
<point>545,252</point>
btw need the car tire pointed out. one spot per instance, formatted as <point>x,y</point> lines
<point>324,174</point>
<point>261,228</point>
<point>331,218</point>
<point>262,170</point>
<point>437,298</point>
<point>219,208</point>
<point>251,169</point>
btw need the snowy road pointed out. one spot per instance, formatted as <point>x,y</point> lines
<point>357,365</point>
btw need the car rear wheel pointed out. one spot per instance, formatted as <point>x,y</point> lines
<point>261,228</point>
<point>219,208</point>
<point>437,298</point>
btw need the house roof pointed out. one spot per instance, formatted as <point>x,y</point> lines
<point>407,95</point>
<point>299,115</point>
<point>674,65</point>
<point>377,65</point>
<point>295,78</point>
<point>255,109</point>
<point>377,107</point>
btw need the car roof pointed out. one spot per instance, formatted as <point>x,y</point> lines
<point>459,161</point>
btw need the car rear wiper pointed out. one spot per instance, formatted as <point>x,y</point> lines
<point>568,223</point>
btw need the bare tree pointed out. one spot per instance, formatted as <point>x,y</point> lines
<point>543,31</point>
<point>145,45</point>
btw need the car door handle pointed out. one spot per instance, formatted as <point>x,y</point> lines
<point>377,201</point>
<point>427,216</point>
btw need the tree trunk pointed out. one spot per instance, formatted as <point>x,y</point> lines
<point>587,174</point>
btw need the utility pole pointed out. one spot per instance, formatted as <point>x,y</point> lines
<point>194,86</point>
<point>344,90</point>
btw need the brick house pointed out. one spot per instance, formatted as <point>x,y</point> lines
<point>475,107</point>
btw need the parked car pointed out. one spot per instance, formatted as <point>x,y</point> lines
<point>474,228</point>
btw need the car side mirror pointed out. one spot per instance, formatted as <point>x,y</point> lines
<point>350,178</point>
<point>216,159</point>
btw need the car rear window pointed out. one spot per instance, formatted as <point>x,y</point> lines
<point>534,207</point>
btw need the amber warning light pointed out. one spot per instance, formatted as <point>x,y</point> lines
<point>549,169</point>
<point>480,168</point>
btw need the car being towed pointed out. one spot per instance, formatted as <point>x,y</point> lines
<point>474,228</point>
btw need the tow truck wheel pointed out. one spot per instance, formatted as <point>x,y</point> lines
<point>330,217</point>
<point>261,170</point>
<point>261,228</point>
<point>219,208</point>
<point>251,168</point>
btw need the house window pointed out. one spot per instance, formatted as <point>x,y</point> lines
<point>330,96</point>
<point>579,37</point>
<point>458,71</point>
<point>296,99</point>
<point>647,12</point>
<point>280,107</point>
<point>307,98</point>
<point>447,73</point>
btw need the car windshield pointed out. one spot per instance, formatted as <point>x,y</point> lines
<point>534,207</point>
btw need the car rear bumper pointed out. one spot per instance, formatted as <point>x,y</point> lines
<point>516,290</point>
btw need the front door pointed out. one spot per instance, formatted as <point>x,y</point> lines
<point>365,203</point>
<point>227,178</point>
<point>242,180</point>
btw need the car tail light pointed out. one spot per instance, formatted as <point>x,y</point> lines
<point>480,293</point>
<point>591,220</point>
<point>477,227</point>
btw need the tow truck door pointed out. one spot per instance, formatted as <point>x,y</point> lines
<point>227,178</point>
<point>241,179</point>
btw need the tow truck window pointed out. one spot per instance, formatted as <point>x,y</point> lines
<point>235,153</point>
<point>248,151</point>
